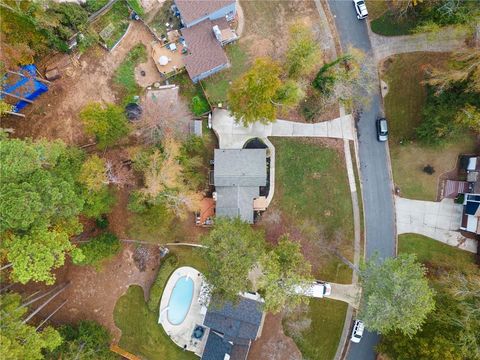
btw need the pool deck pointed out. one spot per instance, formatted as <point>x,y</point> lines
<point>181,334</point>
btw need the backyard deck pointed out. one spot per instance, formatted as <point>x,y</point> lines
<point>175,58</point>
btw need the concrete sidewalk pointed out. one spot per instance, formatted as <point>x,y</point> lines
<point>349,293</point>
<point>233,135</point>
<point>437,220</point>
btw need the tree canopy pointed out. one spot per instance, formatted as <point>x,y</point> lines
<point>259,92</point>
<point>232,248</point>
<point>107,122</point>
<point>86,340</point>
<point>302,53</point>
<point>20,340</point>
<point>283,268</point>
<point>396,295</point>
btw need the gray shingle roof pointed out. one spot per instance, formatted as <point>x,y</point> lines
<point>236,201</point>
<point>243,167</point>
<point>238,322</point>
<point>216,347</point>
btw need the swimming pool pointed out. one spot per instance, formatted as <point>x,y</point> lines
<point>180,300</point>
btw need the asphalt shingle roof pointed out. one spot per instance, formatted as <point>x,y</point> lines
<point>238,322</point>
<point>195,9</point>
<point>204,51</point>
<point>216,347</point>
<point>242,167</point>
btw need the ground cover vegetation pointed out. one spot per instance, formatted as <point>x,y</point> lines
<point>406,17</point>
<point>111,26</point>
<point>98,249</point>
<point>43,196</point>
<point>125,76</point>
<point>451,331</point>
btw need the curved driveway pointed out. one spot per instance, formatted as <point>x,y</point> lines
<point>374,164</point>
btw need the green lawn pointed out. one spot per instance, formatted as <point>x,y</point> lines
<point>125,75</point>
<point>312,187</point>
<point>116,19</point>
<point>141,333</point>
<point>403,107</point>
<point>433,252</point>
<point>389,25</point>
<point>189,91</point>
<point>216,86</point>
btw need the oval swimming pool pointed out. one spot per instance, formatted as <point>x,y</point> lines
<point>180,300</point>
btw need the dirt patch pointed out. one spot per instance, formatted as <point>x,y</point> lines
<point>274,344</point>
<point>55,114</point>
<point>92,295</point>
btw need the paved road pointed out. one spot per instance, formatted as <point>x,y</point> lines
<point>376,186</point>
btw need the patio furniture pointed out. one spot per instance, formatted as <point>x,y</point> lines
<point>172,47</point>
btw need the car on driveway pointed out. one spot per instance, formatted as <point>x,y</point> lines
<point>318,289</point>
<point>357,332</point>
<point>361,9</point>
<point>382,129</point>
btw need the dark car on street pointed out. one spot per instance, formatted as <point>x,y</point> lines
<point>382,129</point>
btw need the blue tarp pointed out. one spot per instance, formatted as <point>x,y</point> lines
<point>25,86</point>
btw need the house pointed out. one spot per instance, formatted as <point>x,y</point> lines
<point>237,176</point>
<point>193,12</point>
<point>205,55</point>
<point>471,214</point>
<point>233,328</point>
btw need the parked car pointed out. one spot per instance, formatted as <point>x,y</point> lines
<point>361,9</point>
<point>382,129</point>
<point>357,332</point>
<point>319,289</point>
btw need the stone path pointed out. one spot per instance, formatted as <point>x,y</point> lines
<point>437,220</point>
<point>446,40</point>
<point>233,135</point>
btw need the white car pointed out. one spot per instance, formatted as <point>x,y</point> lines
<point>360,8</point>
<point>318,289</point>
<point>357,332</point>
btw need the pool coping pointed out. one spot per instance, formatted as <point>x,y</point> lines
<point>181,334</point>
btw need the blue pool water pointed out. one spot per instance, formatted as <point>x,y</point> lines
<point>180,300</point>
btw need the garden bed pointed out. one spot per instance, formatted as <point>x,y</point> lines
<point>113,25</point>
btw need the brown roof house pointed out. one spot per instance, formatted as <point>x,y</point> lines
<point>193,12</point>
<point>207,29</point>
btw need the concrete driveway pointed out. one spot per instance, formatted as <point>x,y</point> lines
<point>437,220</point>
<point>349,293</point>
<point>233,135</point>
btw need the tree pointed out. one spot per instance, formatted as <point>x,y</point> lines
<point>396,295</point>
<point>86,340</point>
<point>469,117</point>
<point>20,340</point>
<point>283,268</point>
<point>34,255</point>
<point>259,92</point>
<point>302,53</point>
<point>99,248</point>
<point>451,331</point>
<point>231,250</point>
<point>464,68</point>
<point>348,79</point>
<point>164,181</point>
<point>106,122</point>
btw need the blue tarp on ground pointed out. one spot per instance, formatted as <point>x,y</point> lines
<point>25,86</point>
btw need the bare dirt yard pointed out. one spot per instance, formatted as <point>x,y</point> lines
<point>56,114</point>
<point>92,294</point>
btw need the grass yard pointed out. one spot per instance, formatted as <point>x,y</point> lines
<point>388,25</point>
<point>312,189</point>
<point>113,24</point>
<point>141,333</point>
<point>403,107</point>
<point>125,75</point>
<point>377,8</point>
<point>192,93</point>
<point>216,86</point>
<point>435,253</point>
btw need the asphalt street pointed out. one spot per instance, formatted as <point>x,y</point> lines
<point>374,164</point>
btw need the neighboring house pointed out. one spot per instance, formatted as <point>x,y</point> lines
<point>471,214</point>
<point>193,12</point>
<point>469,171</point>
<point>238,176</point>
<point>205,55</point>
<point>233,328</point>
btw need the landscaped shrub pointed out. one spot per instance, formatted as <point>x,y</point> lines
<point>100,248</point>
<point>98,203</point>
<point>199,105</point>
<point>106,121</point>
<point>167,266</point>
